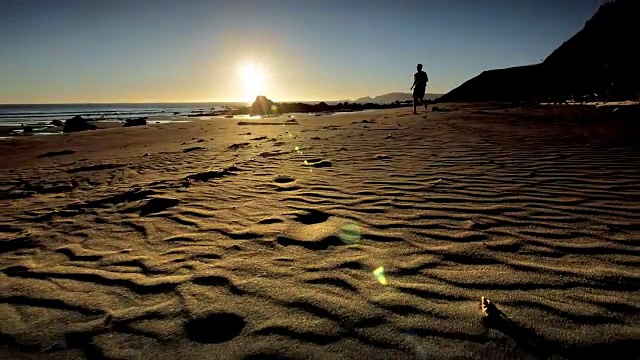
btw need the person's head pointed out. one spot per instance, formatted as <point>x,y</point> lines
<point>419,67</point>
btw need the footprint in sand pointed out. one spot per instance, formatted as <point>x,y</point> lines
<point>238,146</point>
<point>195,148</point>
<point>96,167</point>
<point>158,204</point>
<point>285,183</point>
<point>283,179</point>
<point>56,153</point>
<point>214,328</point>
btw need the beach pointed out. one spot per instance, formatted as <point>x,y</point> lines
<point>367,235</point>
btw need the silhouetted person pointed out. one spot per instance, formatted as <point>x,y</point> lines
<point>419,87</point>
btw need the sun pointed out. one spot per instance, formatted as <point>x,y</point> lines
<point>253,80</point>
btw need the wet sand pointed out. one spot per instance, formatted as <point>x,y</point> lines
<point>211,239</point>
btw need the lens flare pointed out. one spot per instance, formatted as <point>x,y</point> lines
<point>350,233</point>
<point>379,274</point>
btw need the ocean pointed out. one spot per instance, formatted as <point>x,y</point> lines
<point>43,114</point>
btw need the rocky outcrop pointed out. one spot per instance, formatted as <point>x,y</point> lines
<point>77,123</point>
<point>283,108</point>
<point>600,59</point>
<point>261,106</point>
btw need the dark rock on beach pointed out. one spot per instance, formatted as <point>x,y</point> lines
<point>135,122</point>
<point>77,123</point>
<point>27,129</point>
<point>261,106</point>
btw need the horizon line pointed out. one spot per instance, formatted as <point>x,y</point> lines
<point>182,102</point>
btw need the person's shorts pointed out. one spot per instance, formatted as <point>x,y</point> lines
<point>418,93</point>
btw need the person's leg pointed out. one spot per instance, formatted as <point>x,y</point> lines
<point>414,104</point>
<point>419,98</point>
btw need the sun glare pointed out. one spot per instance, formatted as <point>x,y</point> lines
<point>253,80</point>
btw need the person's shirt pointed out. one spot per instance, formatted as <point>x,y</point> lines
<point>421,79</point>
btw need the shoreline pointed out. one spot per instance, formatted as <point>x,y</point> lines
<point>42,129</point>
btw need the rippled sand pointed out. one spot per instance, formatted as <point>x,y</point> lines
<point>212,239</point>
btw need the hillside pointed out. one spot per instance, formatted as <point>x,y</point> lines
<point>600,59</point>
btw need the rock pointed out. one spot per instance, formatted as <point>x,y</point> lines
<point>212,174</point>
<point>322,106</point>
<point>261,106</point>
<point>77,123</point>
<point>27,129</point>
<point>135,122</point>
<point>57,123</point>
<point>228,117</point>
<point>236,147</point>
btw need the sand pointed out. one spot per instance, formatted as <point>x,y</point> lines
<point>216,240</point>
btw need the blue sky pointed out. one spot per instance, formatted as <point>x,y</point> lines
<point>69,51</point>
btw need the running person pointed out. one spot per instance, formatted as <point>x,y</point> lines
<point>419,87</point>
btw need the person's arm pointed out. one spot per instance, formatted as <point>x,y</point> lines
<point>414,82</point>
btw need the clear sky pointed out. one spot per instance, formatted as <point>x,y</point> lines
<point>70,51</point>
